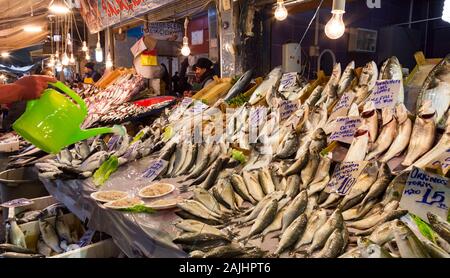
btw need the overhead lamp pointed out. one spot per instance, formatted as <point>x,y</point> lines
<point>3,77</point>
<point>5,54</point>
<point>32,29</point>
<point>72,59</point>
<point>69,39</point>
<point>51,62</point>
<point>84,47</point>
<point>446,11</point>
<point>185,50</point>
<point>59,7</point>
<point>65,59</point>
<point>58,66</point>
<point>88,57</point>
<point>335,28</point>
<point>99,51</point>
<point>281,12</point>
<point>109,62</point>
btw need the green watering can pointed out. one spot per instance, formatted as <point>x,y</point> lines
<point>53,121</point>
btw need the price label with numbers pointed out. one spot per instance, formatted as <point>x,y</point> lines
<point>343,129</point>
<point>288,82</point>
<point>344,177</point>
<point>343,106</point>
<point>155,169</point>
<point>425,192</point>
<point>257,116</point>
<point>287,107</point>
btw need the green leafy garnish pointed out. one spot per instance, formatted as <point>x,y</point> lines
<point>104,172</point>
<point>239,156</point>
<point>238,100</point>
<point>424,228</point>
<point>139,209</point>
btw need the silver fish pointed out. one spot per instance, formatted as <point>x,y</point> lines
<point>265,179</point>
<point>371,221</point>
<point>408,244</point>
<point>333,245</point>
<point>401,141</point>
<point>293,184</point>
<point>346,79</point>
<point>239,186</point>
<point>361,93</point>
<point>315,96</point>
<point>320,237</point>
<point>223,192</point>
<point>292,233</point>
<point>299,164</point>
<point>372,250</point>
<point>436,88</point>
<point>363,183</point>
<point>189,161</point>
<point>359,147</point>
<point>43,248</point>
<point>370,119</point>
<point>383,233</point>
<point>264,219</point>
<point>369,75</point>
<point>380,185</point>
<point>49,235</point>
<point>16,236</point>
<point>315,221</point>
<point>422,136</point>
<point>387,135</point>
<point>62,229</point>
<point>289,146</point>
<point>310,170</point>
<point>440,226</point>
<point>253,186</point>
<point>272,79</point>
<point>205,198</point>
<point>197,209</point>
<point>296,208</point>
<point>195,226</point>
<point>392,70</point>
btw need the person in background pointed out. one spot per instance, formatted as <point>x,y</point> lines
<point>204,73</point>
<point>175,82</point>
<point>165,77</point>
<point>26,88</point>
<point>183,84</point>
<point>90,74</point>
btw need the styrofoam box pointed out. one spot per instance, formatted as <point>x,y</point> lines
<point>10,146</point>
<point>103,249</point>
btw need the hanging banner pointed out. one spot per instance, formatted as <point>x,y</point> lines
<point>100,14</point>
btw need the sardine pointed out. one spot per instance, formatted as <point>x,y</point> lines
<point>264,219</point>
<point>265,180</point>
<point>49,235</point>
<point>16,236</point>
<point>371,221</point>
<point>422,136</point>
<point>369,75</point>
<point>223,192</point>
<point>299,164</point>
<point>197,209</point>
<point>253,186</point>
<point>359,211</point>
<point>239,186</point>
<point>380,185</point>
<point>318,186</point>
<point>333,246</point>
<point>289,146</point>
<point>293,184</point>
<point>213,173</point>
<point>206,199</point>
<point>440,226</point>
<point>310,170</point>
<point>408,244</point>
<point>315,221</point>
<point>383,233</point>
<point>296,208</point>
<point>292,233</point>
<point>195,226</point>
<point>323,233</point>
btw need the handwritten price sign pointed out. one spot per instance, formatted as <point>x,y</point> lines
<point>344,177</point>
<point>155,169</point>
<point>288,82</point>
<point>385,93</point>
<point>425,192</point>
<point>442,162</point>
<point>287,108</point>
<point>257,116</point>
<point>343,129</point>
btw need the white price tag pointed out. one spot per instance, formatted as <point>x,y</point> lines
<point>181,108</point>
<point>425,192</point>
<point>343,129</point>
<point>288,82</point>
<point>17,203</point>
<point>343,105</point>
<point>385,93</point>
<point>257,116</point>
<point>155,169</point>
<point>198,108</point>
<point>287,107</point>
<point>345,176</point>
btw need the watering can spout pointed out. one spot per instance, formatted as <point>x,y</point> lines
<point>88,133</point>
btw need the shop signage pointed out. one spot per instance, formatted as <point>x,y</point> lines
<point>425,192</point>
<point>100,14</point>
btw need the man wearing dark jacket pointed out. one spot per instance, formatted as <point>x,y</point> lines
<point>91,75</point>
<point>204,73</point>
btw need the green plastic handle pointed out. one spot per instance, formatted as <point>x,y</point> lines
<point>72,94</point>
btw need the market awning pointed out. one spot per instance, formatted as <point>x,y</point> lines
<point>14,16</point>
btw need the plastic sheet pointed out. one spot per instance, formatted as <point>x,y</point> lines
<point>137,234</point>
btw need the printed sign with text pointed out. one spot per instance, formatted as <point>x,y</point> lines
<point>425,192</point>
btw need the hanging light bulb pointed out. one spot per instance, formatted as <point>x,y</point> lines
<point>88,57</point>
<point>281,12</point>
<point>109,62</point>
<point>99,51</point>
<point>5,54</point>
<point>69,39</point>
<point>446,11</point>
<point>335,28</point>
<point>59,7</point>
<point>84,47</point>
<point>58,66</point>
<point>32,29</point>
<point>65,59</point>
<point>185,50</point>
<point>51,62</point>
<point>72,59</point>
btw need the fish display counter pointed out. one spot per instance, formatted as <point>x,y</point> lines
<point>334,167</point>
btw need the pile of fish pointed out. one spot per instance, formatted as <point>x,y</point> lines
<point>55,237</point>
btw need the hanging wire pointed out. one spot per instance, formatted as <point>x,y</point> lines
<point>309,25</point>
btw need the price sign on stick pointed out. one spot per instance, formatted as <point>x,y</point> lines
<point>343,129</point>
<point>385,93</point>
<point>425,192</point>
<point>344,177</point>
<point>155,169</point>
<point>287,107</point>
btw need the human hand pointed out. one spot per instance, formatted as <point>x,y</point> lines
<point>31,87</point>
